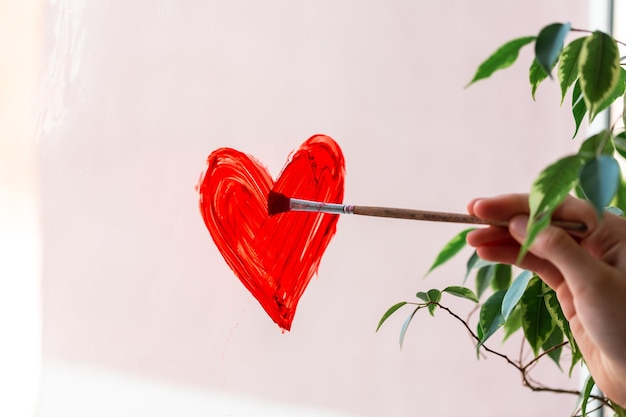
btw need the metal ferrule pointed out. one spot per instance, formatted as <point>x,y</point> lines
<point>314,206</point>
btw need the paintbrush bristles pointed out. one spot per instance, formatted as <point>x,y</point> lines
<point>277,203</point>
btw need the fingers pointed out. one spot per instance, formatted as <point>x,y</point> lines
<point>506,206</point>
<point>607,241</point>
<point>496,244</point>
<point>499,208</point>
<point>550,255</point>
<point>561,250</point>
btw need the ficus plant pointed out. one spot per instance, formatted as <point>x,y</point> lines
<point>587,64</point>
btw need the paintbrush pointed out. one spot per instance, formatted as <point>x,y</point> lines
<point>280,203</point>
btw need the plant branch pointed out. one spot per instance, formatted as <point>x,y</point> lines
<point>544,353</point>
<point>475,337</point>
<point>591,32</point>
<point>523,369</point>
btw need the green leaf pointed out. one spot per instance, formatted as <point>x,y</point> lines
<point>591,147</point>
<point>461,292</point>
<point>515,292</point>
<point>484,276</point>
<point>568,67</point>
<point>496,275</point>
<point>620,199</point>
<point>586,393</point>
<point>405,326</point>
<point>536,75</point>
<point>616,210</point>
<point>503,273</point>
<point>556,338</point>
<point>536,320</point>
<point>502,58</point>
<point>422,296</point>
<point>548,191</point>
<point>479,334</point>
<point>556,312</point>
<point>579,108</point>
<point>389,312</point>
<point>619,411</point>
<point>599,69</point>
<point>620,143</point>
<point>475,262</point>
<point>600,179</point>
<point>513,323</point>
<point>434,296</point>
<point>550,43</point>
<point>616,93</point>
<point>490,318</point>
<point>450,249</point>
<point>577,358</point>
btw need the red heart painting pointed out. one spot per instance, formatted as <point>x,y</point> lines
<point>276,256</point>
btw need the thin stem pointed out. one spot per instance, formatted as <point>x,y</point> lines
<point>591,32</point>
<point>603,142</point>
<point>526,380</point>
<point>544,353</point>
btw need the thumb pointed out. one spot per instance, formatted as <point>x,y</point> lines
<point>559,248</point>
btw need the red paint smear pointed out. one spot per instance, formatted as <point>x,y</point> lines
<point>274,257</point>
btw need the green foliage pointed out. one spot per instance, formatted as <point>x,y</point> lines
<point>568,67</point>
<point>589,384</point>
<point>490,315</point>
<point>536,320</point>
<point>494,276</point>
<point>556,313</point>
<point>598,144</point>
<point>405,325</point>
<point>503,274</point>
<point>599,180</point>
<point>590,67</point>
<point>549,44</point>
<point>547,192</point>
<point>512,323</point>
<point>579,108</point>
<point>484,276</point>
<point>474,262</point>
<point>617,92</point>
<point>503,58</point>
<point>515,292</point>
<point>536,75</point>
<point>553,346</point>
<point>599,69</point>
<point>461,292</point>
<point>450,249</point>
<point>620,143</point>
<point>389,312</point>
<point>619,411</point>
<point>432,297</point>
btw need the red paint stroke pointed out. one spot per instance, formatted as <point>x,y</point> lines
<point>274,257</point>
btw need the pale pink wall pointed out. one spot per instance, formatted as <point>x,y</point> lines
<point>138,93</point>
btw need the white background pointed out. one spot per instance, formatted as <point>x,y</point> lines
<point>141,315</point>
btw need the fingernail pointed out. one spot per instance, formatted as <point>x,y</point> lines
<point>471,204</point>
<point>518,225</point>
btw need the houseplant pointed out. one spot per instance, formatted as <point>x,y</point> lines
<point>588,67</point>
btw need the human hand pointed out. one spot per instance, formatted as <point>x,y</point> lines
<point>587,270</point>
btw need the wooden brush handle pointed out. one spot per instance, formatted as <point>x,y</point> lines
<point>438,216</point>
